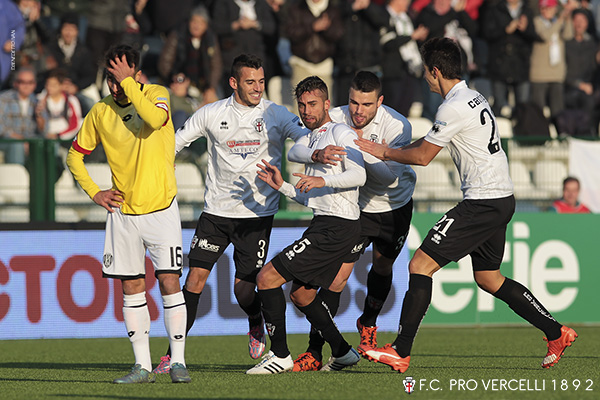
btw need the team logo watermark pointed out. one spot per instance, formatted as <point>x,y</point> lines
<point>409,384</point>
<point>259,124</point>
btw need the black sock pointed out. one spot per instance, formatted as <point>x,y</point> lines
<point>253,312</point>
<point>273,309</point>
<point>191,305</point>
<point>318,315</point>
<point>315,340</point>
<point>522,302</point>
<point>415,305</point>
<point>378,288</point>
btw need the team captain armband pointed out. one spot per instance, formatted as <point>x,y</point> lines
<point>165,107</point>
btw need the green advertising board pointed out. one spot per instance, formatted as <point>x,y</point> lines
<point>552,254</point>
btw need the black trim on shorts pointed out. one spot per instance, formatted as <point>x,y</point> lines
<point>123,277</point>
<point>162,271</point>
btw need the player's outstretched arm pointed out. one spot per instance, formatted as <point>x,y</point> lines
<point>420,152</point>
<point>307,182</point>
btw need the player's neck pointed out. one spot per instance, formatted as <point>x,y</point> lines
<point>446,86</point>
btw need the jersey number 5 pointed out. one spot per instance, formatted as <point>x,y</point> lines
<point>493,147</point>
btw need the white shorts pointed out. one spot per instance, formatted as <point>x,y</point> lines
<point>129,236</point>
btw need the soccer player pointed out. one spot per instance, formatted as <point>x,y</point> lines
<point>314,260</point>
<point>238,206</point>
<point>386,208</point>
<point>137,134</point>
<point>477,225</point>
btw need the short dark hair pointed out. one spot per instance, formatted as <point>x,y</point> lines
<point>366,82</point>
<point>569,179</point>
<point>57,73</point>
<point>120,50</point>
<point>443,54</point>
<point>310,84</point>
<point>244,60</point>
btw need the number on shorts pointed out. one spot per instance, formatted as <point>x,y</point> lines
<point>438,225</point>
<point>176,256</point>
<point>493,147</point>
<point>261,245</point>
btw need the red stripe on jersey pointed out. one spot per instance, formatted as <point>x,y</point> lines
<point>80,149</point>
<point>165,107</point>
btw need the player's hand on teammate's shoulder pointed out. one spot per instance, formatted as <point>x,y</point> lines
<point>329,155</point>
<point>270,174</point>
<point>375,149</point>
<point>109,199</point>
<point>120,69</point>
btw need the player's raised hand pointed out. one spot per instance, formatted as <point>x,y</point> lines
<point>329,155</point>
<point>375,149</point>
<point>307,182</point>
<point>109,199</point>
<point>270,174</point>
<point>119,69</point>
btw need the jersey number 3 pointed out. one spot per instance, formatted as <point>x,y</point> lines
<point>493,147</point>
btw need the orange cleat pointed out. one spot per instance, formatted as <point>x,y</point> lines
<point>385,355</point>
<point>306,362</point>
<point>368,334</point>
<point>557,347</point>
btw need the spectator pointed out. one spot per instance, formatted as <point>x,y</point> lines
<point>548,65</point>
<point>195,53</point>
<point>242,28</point>
<point>401,63</point>
<point>358,49</point>
<point>75,59</point>
<point>63,109</point>
<point>509,30</point>
<point>183,104</point>
<point>313,28</point>
<point>569,203</point>
<point>34,52</point>
<point>106,26</point>
<point>19,118</point>
<point>12,34</point>
<point>579,88</point>
<point>54,10</point>
<point>272,62</point>
<point>444,18</point>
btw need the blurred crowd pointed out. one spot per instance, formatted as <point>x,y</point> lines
<point>535,55</point>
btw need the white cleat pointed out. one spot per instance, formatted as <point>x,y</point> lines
<point>271,364</point>
<point>339,363</point>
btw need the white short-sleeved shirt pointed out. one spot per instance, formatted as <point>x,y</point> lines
<point>465,123</point>
<point>339,196</point>
<point>238,138</point>
<point>390,185</point>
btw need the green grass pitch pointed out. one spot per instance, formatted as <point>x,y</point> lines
<point>506,359</point>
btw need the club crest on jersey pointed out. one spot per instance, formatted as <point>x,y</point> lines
<point>315,136</point>
<point>259,124</point>
<point>437,125</point>
<point>374,138</point>
<point>243,147</point>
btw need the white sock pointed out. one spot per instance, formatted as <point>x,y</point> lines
<point>137,322</point>
<point>175,322</point>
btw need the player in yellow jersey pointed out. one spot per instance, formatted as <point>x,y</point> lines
<point>133,125</point>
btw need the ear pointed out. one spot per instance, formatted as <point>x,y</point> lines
<point>327,104</point>
<point>138,76</point>
<point>380,101</point>
<point>233,83</point>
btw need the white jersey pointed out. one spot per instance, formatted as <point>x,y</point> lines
<point>465,123</point>
<point>238,138</point>
<point>339,196</point>
<point>390,185</point>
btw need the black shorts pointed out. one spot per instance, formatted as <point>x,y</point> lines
<point>250,238</point>
<point>387,230</point>
<point>474,227</point>
<point>316,258</point>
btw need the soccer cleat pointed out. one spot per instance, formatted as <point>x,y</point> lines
<point>385,355</point>
<point>179,373</point>
<point>164,366</point>
<point>306,362</point>
<point>368,334</point>
<point>339,363</point>
<point>271,364</point>
<point>137,375</point>
<point>557,347</point>
<point>257,342</point>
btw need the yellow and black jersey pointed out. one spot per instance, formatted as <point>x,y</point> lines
<point>139,142</point>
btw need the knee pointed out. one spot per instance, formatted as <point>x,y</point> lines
<point>301,298</point>
<point>489,284</point>
<point>196,279</point>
